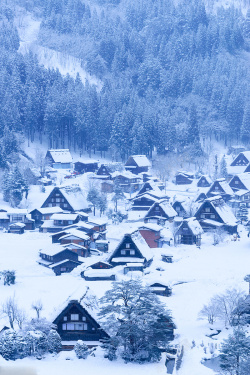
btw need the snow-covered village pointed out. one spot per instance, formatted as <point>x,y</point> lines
<point>124,187</point>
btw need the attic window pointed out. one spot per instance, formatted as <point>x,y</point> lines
<point>157,208</point>
<point>84,318</point>
<point>127,245</point>
<point>123,252</point>
<point>207,209</point>
<point>74,317</point>
<point>132,252</point>
<point>236,182</point>
<point>65,318</point>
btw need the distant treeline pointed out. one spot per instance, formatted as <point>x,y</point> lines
<point>171,76</point>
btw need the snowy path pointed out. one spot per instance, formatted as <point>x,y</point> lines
<point>28,29</point>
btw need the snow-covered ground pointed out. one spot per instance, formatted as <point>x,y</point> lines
<point>28,28</point>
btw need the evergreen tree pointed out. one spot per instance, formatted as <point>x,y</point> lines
<point>81,350</point>
<point>223,167</point>
<point>118,193</point>
<point>137,320</point>
<point>235,352</point>
<point>93,197</point>
<point>54,342</point>
<point>193,129</point>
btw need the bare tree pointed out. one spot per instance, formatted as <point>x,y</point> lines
<point>228,306</point>
<point>38,307</point>
<point>10,309</point>
<point>20,318</point>
<point>210,311</point>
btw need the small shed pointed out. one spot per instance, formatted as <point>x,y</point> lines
<point>65,266</point>
<point>133,267</point>
<point>161,289</point>
<point>17,228</point>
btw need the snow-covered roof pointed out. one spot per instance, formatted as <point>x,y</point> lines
<point>74,196</point>
<point>76,233</point>
<point>141,245</point>
<point>141,160</point>
<point>73,246</point>
<point>125,260</point>
<point>17,211</point>
<point>132,264</point>
<point>167,208</point>
<point>49,210</point>
<point>62,262</point>
<point>223,210</point>
<point>53,249</point>
<point>20,225</point>
<point>104,272</point>
<point>151,226</point>
<point>61,156</point>
<point>240,193</point>
<point>245,179</point>
<point>64,216</point>
<point>98,221</point>
<point>212,222</point>
<point>209,180</point>
<point>126,174</point>
<point>167,234</point>
<point>194,225</point>
<point>3,215</point>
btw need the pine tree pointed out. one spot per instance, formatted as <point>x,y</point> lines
<point>81,350</point>
<point>223,167</point>
<point>235,352</point>
<point>118,193</point>
<point>54,342</point>
<point>137,319</point>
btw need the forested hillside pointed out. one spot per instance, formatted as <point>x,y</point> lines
<point>172,74</point>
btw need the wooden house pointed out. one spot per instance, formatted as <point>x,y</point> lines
<point>214,213</point>
<point>56,254</point>
<point>75,323</point>
<point>201,197</point>
<point>86,166</point>
<point>189,232</point>
<point>59,159</point>
<point>132,248</point>
<point>151,234</point>
<point>184,178</point>
<point>137,164</point>
<point>78,249</point>
<point>75,236</point>
<point>70,198</point>
<point>64,266</point>
<point>104,172</point>
<point>17,228</point>
<point>59,221</point>
<point>204,181</point>
<point>222,188</point>
<point>143,202</point>
<point>129,182</point>
<point>107,186</point>
<point>182,207</point>
<point>161,289</point>
<point>102,245</point>
<point>21,216</point>
<point>160,212</point>
<point>240,182</point>
<point>242,159</point>
<point>247,170</point>
<point>41,214</point>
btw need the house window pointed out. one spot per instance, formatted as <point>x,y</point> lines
<point>207,209</point>
<point>74,326</point>
<point>123,252</point>
<point>70,221</point>
<point>132,252</point>
<point>212,216</point>
<point>58,200</point>
<point>236,182</point>
<point>65,318</point>
<point>65,205</point>
<point>216,187</point>
<point>127,245</point>
<point>84,318</point>
<point>177,208</point>
<point>157,208</point>
<point>74,317</point>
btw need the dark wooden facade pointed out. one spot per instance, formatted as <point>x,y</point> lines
<point>158,215</point>
<point>204,181</point>
<point>104,171</point>
<point>240,159</point>
<point>126,251</point>
<point>61,255</point>
<point>57,199</point>
<point>64,266</point>
<point>81,167</point>
<point>184,235</point>
<point>75,323</point>
<point>218,189</point>
<point>183,178</point>
<point>179,208</point>
<point>143,202</point>
<point>161,289</point>
<point>237,184</point>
